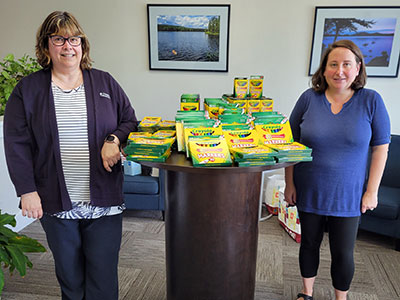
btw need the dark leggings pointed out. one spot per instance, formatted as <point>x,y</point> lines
<point>342,237</point>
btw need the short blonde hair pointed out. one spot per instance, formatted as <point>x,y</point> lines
<point>60,23</point>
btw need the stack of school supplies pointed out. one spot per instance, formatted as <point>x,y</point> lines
<point>294,152</point>
<point>164,134</point>
<point>182,117</point>
<point>270,117</point>
<point>149,124</point>
<point>254,156</point>
<point>166,125</point>
<point>154,148</point>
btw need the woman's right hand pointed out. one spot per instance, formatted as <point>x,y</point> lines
<point>290,194</point>
<point>290,189</point>
<point>31,205</point>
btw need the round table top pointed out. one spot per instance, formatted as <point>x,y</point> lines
<point>179,162</point>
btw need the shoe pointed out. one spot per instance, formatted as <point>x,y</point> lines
<point>304,296</point>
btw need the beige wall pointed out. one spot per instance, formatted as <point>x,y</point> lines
<point>266,37</point>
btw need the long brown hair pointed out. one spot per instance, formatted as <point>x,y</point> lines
<point>318,81</point>
<point>60,23</point>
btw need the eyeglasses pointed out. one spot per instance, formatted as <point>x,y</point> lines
<point>59,40</point>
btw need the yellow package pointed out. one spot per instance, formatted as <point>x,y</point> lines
<point>275,133</point>
<point>256,86</point>
<point>206,152</point>
<point>137,134</point>
<point>212,110</point>
<point>266,104</point>
<point>240,103</point>
<point>253,105</point>
<point>240,87</point>
<point>149,121</point>
<point>167,125</point>
<point>200,131</point>
<point>241,138</point>
<point>164,134</point>
<point>190,102</point>
<point>152,141</point>
<point>295,146</point>
<point>179,136</point>
<point>190,105</point>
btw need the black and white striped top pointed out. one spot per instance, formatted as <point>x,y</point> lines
<point>71,115</point>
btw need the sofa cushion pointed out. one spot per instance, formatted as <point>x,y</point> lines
<point>390,176</point>
<point>388,203</point>
<point>140,184</point>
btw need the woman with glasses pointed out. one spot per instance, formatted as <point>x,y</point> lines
<point>63,127</point>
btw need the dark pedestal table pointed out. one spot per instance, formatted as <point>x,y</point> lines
<point>211,229</point>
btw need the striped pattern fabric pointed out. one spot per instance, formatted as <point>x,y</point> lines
<point>71,115</point>
<point>72,129</point>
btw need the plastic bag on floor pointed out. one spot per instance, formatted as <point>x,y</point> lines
<point>289,218</point>
<point>271,198</point>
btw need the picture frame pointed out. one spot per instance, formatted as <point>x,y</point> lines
<point>374,29</point>
<point>188,37</point>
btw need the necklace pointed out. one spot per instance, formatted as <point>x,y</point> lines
<point>67,84</point>
<point>67,91</point>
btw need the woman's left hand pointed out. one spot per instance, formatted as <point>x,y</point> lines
<point>110,154</point>
<point>369,201</point>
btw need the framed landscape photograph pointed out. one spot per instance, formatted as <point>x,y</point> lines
<point>188,37</point>
<point>375,30</point>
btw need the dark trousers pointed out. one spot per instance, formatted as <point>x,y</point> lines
<point>86,255</point>
<point>342,237</point>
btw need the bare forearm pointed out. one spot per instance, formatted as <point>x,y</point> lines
<point>289,175</point>
<point>378,162</point>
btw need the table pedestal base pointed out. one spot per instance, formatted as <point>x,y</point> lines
<point>211,234</point>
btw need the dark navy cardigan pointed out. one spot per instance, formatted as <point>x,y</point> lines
<point>32,144</point>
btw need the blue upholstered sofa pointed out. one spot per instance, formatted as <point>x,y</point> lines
<point>385,219</point>
<point>144,192</point>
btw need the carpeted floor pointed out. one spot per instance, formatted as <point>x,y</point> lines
<point>142,265</point>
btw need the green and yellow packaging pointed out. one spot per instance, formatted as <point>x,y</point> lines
<point>199,130</point>
<point>209,151</point>
<point>241,138</point>
<point>149,124</point>
<point>211,106</point>
<point>253,105</point>
<point>182,116</point>
<point>166,125</point>
<point>256,86</point>
<point>240,87</point>
<point>190,102</point>
<point>275,133</point>
<point>266,104</point>
<point>163,134</point>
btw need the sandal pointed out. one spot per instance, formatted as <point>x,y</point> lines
<point>304,296</point>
